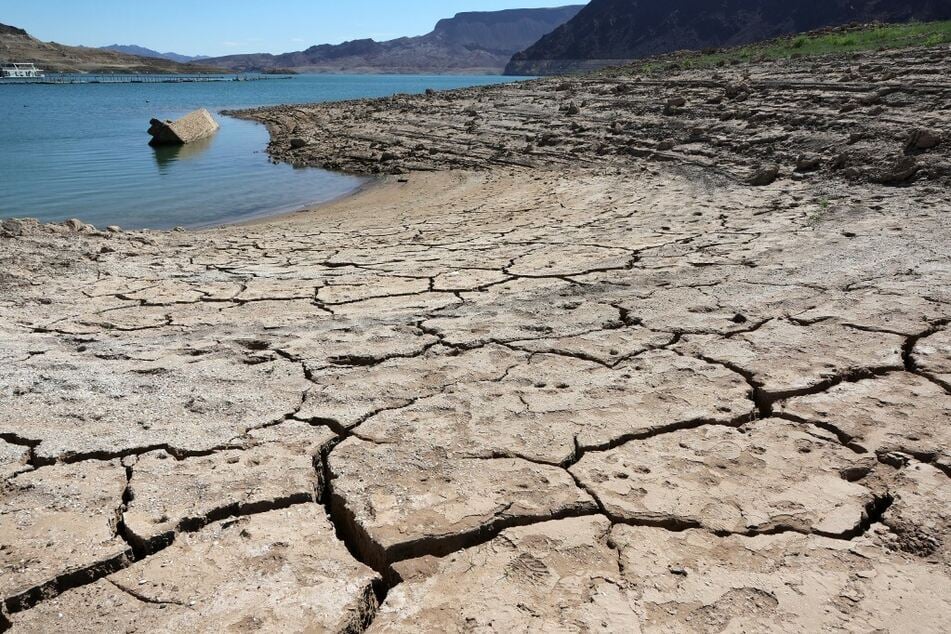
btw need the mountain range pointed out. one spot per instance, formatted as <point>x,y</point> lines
<point>141,51</point>
<point>520,41</point>
<point>609,32</point>
<point>16,45</point>
<point>473,42</point>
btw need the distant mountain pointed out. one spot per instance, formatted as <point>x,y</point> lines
<point>141,51</point>
<point>613,31</point>
<point>477,42</point>
<point>16,45</point>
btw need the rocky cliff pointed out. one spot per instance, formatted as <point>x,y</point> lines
<point>607,32</point>
<point>469,42</point>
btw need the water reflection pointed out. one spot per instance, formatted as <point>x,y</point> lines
<point>99,167</point>
<point>168,155</point>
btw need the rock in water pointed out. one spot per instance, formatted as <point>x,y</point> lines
<point>192,127</point>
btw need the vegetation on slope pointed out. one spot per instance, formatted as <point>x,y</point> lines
<point>841,41</point>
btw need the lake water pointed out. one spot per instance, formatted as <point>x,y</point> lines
<point>81,150</point>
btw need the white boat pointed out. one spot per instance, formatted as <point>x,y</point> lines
<point>19,70</point>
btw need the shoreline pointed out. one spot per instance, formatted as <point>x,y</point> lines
<point>276,217</point>
<point>182,199</point>
<point>379,198</point>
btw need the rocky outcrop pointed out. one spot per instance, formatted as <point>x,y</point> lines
<point>609,32</point>
<point>6,29</point>
<point>735,122</point>
<point>190,128</point>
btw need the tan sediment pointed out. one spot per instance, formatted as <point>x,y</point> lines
<point>354,201</point>
<point>615,388</point>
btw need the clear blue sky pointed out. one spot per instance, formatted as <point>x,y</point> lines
<point>224,27</point>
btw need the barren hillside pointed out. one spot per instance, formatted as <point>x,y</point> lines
<point>16,45</point>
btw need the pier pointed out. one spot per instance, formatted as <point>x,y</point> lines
<point>134,79</point>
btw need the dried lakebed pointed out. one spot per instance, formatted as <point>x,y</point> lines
<point>592,378</point>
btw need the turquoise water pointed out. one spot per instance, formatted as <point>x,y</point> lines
<point>81,150</point>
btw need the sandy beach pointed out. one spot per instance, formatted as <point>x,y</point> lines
<point>606,353</point>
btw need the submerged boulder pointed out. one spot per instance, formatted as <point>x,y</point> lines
<point>192,127</point>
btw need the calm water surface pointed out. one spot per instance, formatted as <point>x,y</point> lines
<point>81,150</point>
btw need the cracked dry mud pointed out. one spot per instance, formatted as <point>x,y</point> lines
<point>573,374</point>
